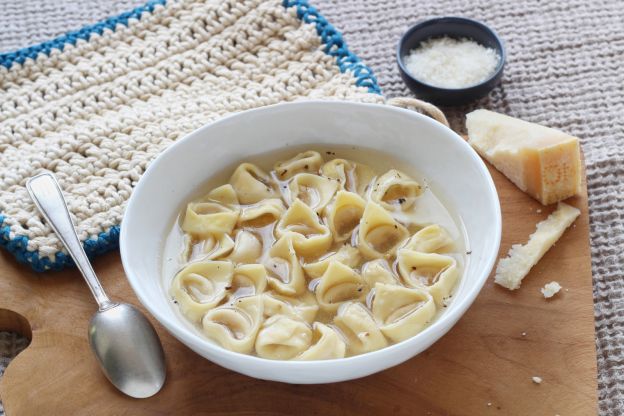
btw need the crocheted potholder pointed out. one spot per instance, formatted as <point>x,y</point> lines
<point>95,106</point>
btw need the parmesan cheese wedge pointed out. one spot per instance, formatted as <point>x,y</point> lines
<point>543,162</point>
<point>521,258</point>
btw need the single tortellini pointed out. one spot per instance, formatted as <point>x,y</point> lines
<point>378,271</point>
<point>359,329</point>
<point>235,326</point>
<point>262,213</point>
<point>224,195</point>
<point>284,272</point>
<point>308,161</point>
<point>352,176</point>
<point>247,280</point>
<point>214,214</point>
<point>283,337</point>
<point>344,214</point>
<point>339,284</point>
<point>252,184</point>
<point>310,237</point>
<point>301,307</point>
<point>327,344</point>
<point>379,234</point>
<point>313,190</point>
<point>436,273</point>
<point>200,286</point>
<point>247,248</point>
<point>347,255</point>
<point>209,248</point>
<point>429,240</point>
<point>395,189</point>
<point>402,312</point>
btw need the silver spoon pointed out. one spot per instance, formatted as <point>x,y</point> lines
<point>123,340</point>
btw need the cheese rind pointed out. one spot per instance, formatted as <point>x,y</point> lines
<point>543,162</point>
<point>521,258</point>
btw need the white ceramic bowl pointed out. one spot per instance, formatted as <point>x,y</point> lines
<point>437,152</point>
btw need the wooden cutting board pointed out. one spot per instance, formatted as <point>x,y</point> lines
<point>483,366</point>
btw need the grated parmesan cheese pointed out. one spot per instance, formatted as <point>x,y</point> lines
<point>537,380</point>
<point>551,289</point>
<point>452,63</point>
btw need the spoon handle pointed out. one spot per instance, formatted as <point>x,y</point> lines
<point>48,197</point>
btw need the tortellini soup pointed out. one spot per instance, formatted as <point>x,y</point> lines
<point>314,257</point>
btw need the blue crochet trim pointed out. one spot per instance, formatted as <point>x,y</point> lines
<point>7,59</point>
<point>109,240</point>
<point>335,45</point>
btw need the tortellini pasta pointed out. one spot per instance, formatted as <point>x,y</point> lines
<point>208,248</point>
<point>339,284</point>
<point>347,255</point>
<point>379,233</point>
<point>402,312</point>
<point>326,344</point>
<point>429,240</point>
<point>247,248</point>
<point>395,189</point>
<point>262,213</point>
<point>360,330</point>
<point>313,190</point>
<point>284,270</point>
<point>378,271</point>
<point>344,214</point>
<point>283,337</point>
<point>201,286</point>
<point>313,260</point>
<point>302,307</point>
<point>308,161</point>
<point>214,214</point>
<point>252,184</point>
<point>310,237</point>
<point>248,280</point>
<point>352,176</point>
<point>235,326</point>
<point>434,272</point>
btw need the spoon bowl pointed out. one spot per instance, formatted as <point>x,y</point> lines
<point>125,344</point>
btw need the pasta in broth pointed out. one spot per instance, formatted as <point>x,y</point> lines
<point>317,257</point>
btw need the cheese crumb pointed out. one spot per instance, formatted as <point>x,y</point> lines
<point>452,63</point>
<point>537,380</point>
<point>521,258</point>
<point>524,334</point>
<point>551,289</point>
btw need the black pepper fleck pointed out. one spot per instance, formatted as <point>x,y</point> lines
<point>306,167</point>
<point>469,252</point>
<point>401,200</point>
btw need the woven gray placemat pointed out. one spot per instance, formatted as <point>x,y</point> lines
<point>564,70</point>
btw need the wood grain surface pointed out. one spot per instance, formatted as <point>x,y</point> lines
<point>483,366</point>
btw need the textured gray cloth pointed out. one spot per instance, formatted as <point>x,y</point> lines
<point>564,69</point>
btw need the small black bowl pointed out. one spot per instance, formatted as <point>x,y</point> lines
<point>454,27</point>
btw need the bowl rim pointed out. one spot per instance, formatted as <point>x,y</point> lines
<point>457,19</point>
<point>184,335</point>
